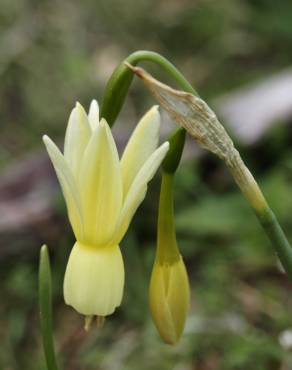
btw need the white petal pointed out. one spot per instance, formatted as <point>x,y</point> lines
<point>100,185</point>
<point>76,139</point>
<point>138,189</point>
<point>68,185</point>
<point>94,279</point>
<point>141,145</point>
<point>93,115</point>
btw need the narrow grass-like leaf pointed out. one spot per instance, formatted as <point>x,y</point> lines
<point>45,306</point>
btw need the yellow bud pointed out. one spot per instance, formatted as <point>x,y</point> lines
<point>169,292</point>
<point>169,297</point>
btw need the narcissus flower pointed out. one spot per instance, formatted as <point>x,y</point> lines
<point>102,194</point>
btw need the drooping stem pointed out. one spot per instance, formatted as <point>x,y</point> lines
<point>117,89</point>
<point>113,99</point>
<point>45,306</point>
<point>196,117</point>
<point>122,77</point>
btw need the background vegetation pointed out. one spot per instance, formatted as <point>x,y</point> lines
<point>55,52</point>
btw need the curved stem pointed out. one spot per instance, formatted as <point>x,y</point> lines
<point>118,86</point>
<point>45,305</point>
<point>202,124</point>
<point>150,56</point>
<point>121,79</point>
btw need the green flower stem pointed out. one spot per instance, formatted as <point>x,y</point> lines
<point>176,145</point>
<point>45,305</point>
<point>122,77</point>
<point>277,237</point>
<point>202,124</point>
<point>167,249</point>
<point>117,89</point>
<point>259,204</point>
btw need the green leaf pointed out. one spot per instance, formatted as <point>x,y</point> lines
<point>45,305</point>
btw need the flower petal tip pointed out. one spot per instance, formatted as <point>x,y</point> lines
<point>154,114</point>
<point>103,123</point>
<point>165,146</point>
<point>46,139</point>
<point>93,103</point>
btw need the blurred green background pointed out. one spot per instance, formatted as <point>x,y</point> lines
<point>55,52</point>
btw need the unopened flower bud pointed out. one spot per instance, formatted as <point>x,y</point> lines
<point>169,297</point>
<point>169,292</point>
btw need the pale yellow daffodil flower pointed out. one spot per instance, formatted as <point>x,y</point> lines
<point>102,193</point>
